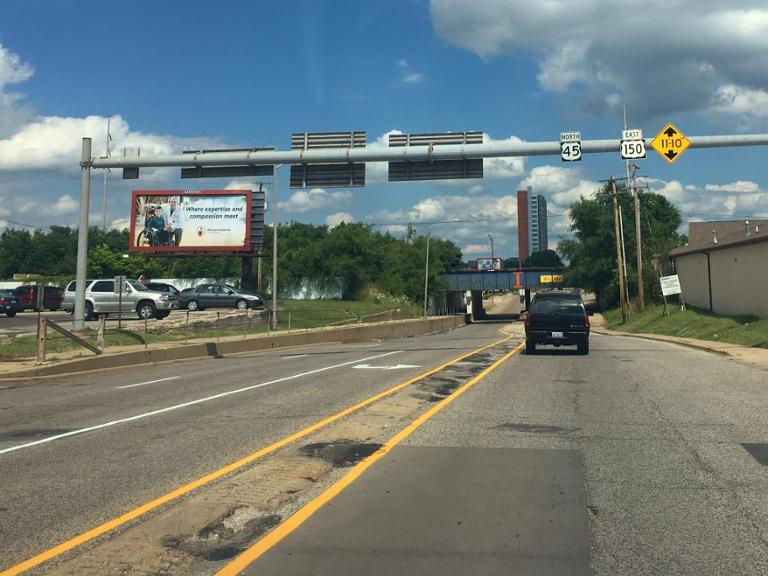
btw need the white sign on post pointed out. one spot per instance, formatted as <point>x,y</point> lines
<point>670,285</point>
<point>570,146</point>
<point>119,284</point>
<point>632,144</point>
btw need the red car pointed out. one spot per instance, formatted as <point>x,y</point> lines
<point>27,295</point>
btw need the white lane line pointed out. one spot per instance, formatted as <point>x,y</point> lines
<point>150,382</point>
<point>185,404</point>
<point>294,356</point>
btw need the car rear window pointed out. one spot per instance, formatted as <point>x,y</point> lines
<point>554,305</point>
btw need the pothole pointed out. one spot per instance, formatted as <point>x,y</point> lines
<point>341,453</point>
<point>227,536</point>
<point>536,428</point>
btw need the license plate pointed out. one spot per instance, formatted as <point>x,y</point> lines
<point>557,334</point>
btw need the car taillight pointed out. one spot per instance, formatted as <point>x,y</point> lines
<point>528,319</point>
<point>586,320</point>
<point>3,301</point>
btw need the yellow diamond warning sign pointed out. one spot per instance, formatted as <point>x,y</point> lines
<point>670,143</point>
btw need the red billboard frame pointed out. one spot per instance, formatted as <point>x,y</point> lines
<point>170,250</point>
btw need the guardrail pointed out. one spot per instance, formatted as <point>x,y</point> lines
<point>42,337</point>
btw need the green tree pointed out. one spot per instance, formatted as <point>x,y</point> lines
<point>544,258</point>
<point>591,253</point>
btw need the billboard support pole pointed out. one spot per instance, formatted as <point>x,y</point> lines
<point>82,236</point>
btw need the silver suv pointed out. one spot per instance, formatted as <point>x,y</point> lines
<point>101,298</point>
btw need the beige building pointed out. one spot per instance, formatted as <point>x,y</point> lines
<point>724,267</point>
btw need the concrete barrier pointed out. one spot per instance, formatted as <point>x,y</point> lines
<point>346,334</point>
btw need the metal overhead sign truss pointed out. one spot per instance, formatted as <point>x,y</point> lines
<point>431,168</point>
<point>327,175</point>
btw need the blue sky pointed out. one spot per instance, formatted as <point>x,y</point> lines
<point>180,75</point>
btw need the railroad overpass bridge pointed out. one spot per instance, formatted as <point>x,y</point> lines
<point>456,285</point>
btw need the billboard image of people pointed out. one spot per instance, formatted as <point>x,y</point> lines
<point>166,221</point>
<point>489,264</point>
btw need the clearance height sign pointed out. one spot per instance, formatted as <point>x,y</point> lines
<point>177,221</point>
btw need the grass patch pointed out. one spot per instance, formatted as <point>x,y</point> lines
<point>693,323</point>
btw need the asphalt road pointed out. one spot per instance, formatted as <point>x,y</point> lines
<point>26,322</point>
<point>628,461</point>
<point>645,438</point>
<point>56,489</point>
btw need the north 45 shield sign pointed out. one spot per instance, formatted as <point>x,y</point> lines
<point>670,143</point>
<point>570,146</point>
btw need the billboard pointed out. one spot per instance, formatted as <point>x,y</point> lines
<point>177,221</point>
<point>489,264</point>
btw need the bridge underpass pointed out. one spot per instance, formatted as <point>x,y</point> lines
<point>476,282</point>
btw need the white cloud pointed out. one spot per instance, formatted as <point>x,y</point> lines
<point>501,168</point>
<point>735,200</point>
<point>315,199</point>
<point>476,250</point>
<point>65,205</point>
<point>120,223</point>
<point>741,101</point>
<point>240,185</point>
<point>334,220</point>
<point>12,71</point>
<point>738,186</point>
<point>56,142</point>
<point>408,75</point>
<point>27,207</point>
<point>615,49</point>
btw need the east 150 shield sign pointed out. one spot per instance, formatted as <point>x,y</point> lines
<point>164,221</point>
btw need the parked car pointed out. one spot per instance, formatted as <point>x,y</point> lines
<point>217,296</point>
<point>557,318</point>
<point>9,304</point>
<point>101,298</point>
<point>162,287</point>
<point>27,295</point>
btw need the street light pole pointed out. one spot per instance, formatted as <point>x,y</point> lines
<point>274,245</point>
<point>491,237</point>
<point>82,236</point>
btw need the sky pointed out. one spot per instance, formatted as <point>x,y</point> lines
<point>193,74</point>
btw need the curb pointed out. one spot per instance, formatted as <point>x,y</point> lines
<point>664,338</point>
<point>399,329</point>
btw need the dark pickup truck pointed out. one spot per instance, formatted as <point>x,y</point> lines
<point>557,318</point>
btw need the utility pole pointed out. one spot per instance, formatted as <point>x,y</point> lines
<point>638,241</point>
<point>624,259</point>
<point>618,249</point>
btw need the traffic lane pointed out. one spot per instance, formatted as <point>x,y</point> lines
<point>26,322</point>
<point>447,511</point>
<point>32,413</point>
<point>56,490</point>
<point>49,408</point>
<point>670,489</point>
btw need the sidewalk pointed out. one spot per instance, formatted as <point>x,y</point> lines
<point>746,354</point>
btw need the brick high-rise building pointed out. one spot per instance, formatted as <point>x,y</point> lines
<point>531,223</point>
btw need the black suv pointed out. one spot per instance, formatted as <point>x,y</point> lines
<point>557,318</point>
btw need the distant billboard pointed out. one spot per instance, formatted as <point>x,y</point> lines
<point>177,221</point>
<point>489,264</point>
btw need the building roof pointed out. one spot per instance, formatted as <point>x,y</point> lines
<point>718,234</point>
